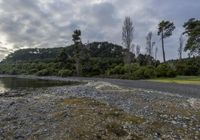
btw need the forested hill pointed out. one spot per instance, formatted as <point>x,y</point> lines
<point>95,49</point>
<point>27,55</point>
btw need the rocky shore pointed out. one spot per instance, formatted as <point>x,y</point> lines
<point>97,110</point>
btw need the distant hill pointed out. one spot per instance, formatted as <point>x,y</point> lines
<point>95,49</point>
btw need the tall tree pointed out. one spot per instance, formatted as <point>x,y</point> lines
<point>133,48</point>
<point>192,29</point>
<point>165,29</point>
<point>156,53</point>
<point>149,47</point>
<point>138,48</point>
<point>76,37</point>
<point>63,56</point>
<point>127,37</point>
<point>180,50</point>
<point>150,44</point>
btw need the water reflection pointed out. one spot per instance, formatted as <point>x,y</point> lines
<point>12,83</point>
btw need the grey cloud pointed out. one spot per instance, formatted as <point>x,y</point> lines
<point>36,23</point>
<point>105,14</point>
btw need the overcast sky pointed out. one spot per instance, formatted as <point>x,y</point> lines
<point>50,23</point>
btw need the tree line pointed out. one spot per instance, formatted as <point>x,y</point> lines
<point>105,59</point>
<point>165,30</point>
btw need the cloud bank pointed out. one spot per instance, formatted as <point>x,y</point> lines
<point>50,23</point>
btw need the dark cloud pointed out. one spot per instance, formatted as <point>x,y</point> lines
<point>50,23</point>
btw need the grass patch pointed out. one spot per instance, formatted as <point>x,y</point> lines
<point>195,80</point>
<point>93,119</point>
<point>117,129</point>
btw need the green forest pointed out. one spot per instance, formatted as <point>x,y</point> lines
<point>104,59</point>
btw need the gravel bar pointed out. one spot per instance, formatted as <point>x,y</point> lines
<point>104,109</point>
<point>186,90</point>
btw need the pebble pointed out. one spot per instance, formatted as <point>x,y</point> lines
<point>33,107</point>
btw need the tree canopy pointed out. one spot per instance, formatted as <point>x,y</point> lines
<point>192,29</point>
<point>165,29</point>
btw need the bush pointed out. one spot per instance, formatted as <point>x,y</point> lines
<point>119,69</point>
<point>91,70</point>
<point>138,74</point>
<point>43,72</point>
<point>199,72</point>
<point>149,72</point>
<point>161,70</point>
<point>180,68</point>
<point>144,73</point>
<point>65,73</point>
<point>171,73</point>
<point>32,71</point>
<point>188,67</point>
<point>13,72</point>
<point>164,70</point>
<point>191,70</point>
<point>133,67</point>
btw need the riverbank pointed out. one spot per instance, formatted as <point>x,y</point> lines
<point>186,90</point>
<point>98,110</point>
<point>192,80</point>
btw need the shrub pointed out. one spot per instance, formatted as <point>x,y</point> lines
<point>171,73</point>
<point>133,67</point>
<point>180,68</point>
<point>164,70</point>
<point>119,69</point>
<point>144,73</point>
<point>188,67</point>
<point>65,73</point>
<point>161,70</point>
<point>43,72</point>
<point>191,70</point>
<point>139,74</point>
<point>32,71</point>
<point>13,72</point>
<point>149,72</point>
<point>199,72</point>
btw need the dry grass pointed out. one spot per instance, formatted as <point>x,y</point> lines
<point>195,80</point>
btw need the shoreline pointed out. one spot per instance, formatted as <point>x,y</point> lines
<point>192,91</point>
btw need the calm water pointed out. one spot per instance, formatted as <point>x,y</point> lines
<point>12,83</point>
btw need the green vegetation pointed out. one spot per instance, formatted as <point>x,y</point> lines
<point>192,29</point>
<point>180,80</point>
<point>105,59</point>
<point>98,59</point>
<point>65,73</point>
<point>165,30</point>
<point>186,67</point>
<point>164,70</point>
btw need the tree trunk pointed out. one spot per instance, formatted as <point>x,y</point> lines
<point>77,60</point>
<point>77,67</point>
<point>129,63</point>
<point>127,60</point>
<point>163,48</point>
